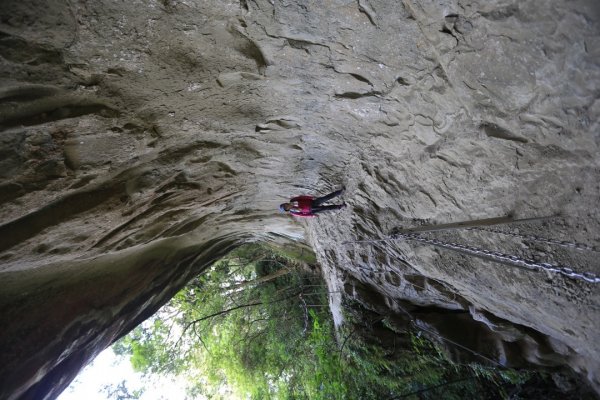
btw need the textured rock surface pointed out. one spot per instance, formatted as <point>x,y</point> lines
<point>140,140</point>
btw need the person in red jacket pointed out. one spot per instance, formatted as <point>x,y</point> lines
<point>309,206</point>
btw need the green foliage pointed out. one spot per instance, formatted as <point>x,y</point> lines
<point>146,346</point>
<point>323,376</point>
<point>256,326</point>
<point>241,329</point>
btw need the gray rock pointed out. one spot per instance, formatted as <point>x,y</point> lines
<point>212,112</point>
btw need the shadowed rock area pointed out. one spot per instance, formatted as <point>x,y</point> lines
<point>142,140</point>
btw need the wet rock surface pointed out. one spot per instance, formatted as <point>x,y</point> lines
<point>141,140</point>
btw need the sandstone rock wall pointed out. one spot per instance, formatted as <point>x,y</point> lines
<point>140,140</point>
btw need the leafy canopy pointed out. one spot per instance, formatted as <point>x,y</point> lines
<point>256,325</point>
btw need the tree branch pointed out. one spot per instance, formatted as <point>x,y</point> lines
<point>236,308</point>
<point>427,389</point>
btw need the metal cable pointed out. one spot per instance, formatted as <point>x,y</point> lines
<point>562,243</point>
<point>504,258</point>
<point>413,322</point>
<point>493,255</point>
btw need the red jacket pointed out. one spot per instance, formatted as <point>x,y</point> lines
<point>304,206</point>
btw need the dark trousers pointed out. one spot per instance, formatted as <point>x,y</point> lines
<point>317,204</point>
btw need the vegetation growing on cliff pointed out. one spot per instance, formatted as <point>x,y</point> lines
<point>257,325</point>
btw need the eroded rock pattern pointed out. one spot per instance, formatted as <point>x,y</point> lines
<point>141,140</point>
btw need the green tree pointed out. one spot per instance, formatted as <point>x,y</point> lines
<point>243,326</point>
<point>257,325</point>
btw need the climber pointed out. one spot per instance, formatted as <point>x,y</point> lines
<point>309,206</point>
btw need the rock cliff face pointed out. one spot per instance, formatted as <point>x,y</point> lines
<point>142,140</point>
